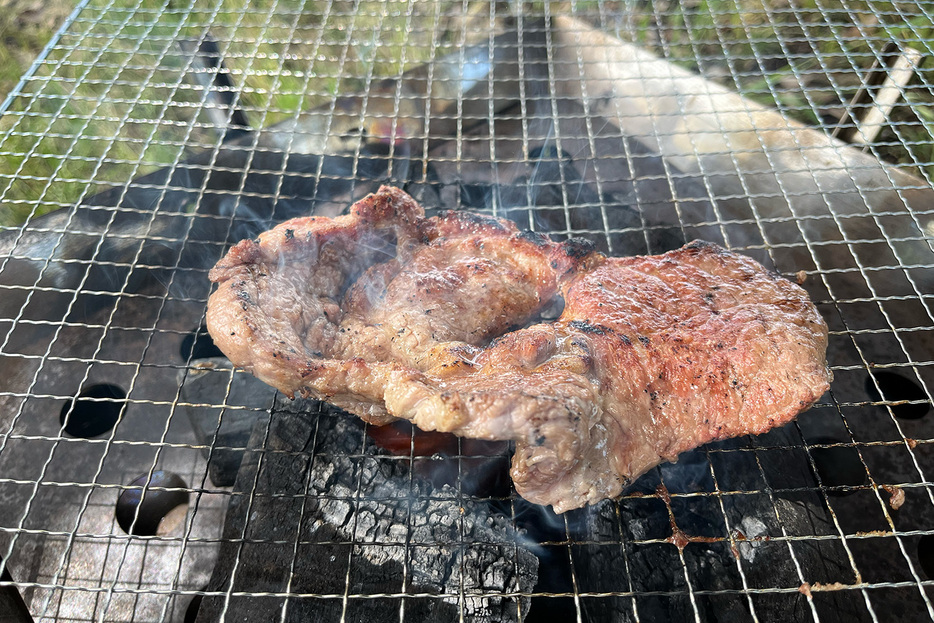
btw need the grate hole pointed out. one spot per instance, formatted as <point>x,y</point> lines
<point>94,411</point>
<point>926,554</point>
<point>838,466</point>
<point>199,345</point>
<point>141,510</point>
<point>896,388</point>
<point>191,612</point>
<point>551,609</point>
<point>12,605</point>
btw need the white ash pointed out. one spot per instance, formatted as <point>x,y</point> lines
<point>752,528</point>
<point>449,545</point>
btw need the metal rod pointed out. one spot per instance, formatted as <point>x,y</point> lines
<point>883,86</point>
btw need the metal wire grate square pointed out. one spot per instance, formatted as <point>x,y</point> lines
<point>143,478</point>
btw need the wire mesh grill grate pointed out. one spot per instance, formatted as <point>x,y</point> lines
<point>150,136</point>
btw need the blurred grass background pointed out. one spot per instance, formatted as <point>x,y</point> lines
<point>115,98</point>
<point>26,26</point>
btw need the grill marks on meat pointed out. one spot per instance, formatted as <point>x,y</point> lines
<point>651,356</point>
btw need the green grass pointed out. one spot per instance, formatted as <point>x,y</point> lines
<point>87,113</point>
<point>25,29</point>
<point>804,57</point>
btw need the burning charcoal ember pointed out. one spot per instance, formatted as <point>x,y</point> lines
<point>358,518</point>
<point>440,457</point>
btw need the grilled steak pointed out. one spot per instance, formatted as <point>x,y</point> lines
<point>391,315</point>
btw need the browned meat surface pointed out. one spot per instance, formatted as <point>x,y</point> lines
<point>652,356</point>
<point>329,307</point>
<point>391,315</point>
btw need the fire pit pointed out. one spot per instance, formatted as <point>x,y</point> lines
<point>144,479</point>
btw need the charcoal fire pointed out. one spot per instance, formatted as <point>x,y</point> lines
<point>359,522</point>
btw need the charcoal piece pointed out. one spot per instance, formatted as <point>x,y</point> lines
<point>712,567</point>
<point>224,431</point>
<point>618,546</point>
<point>362,526</point>
<point>614,189</point>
